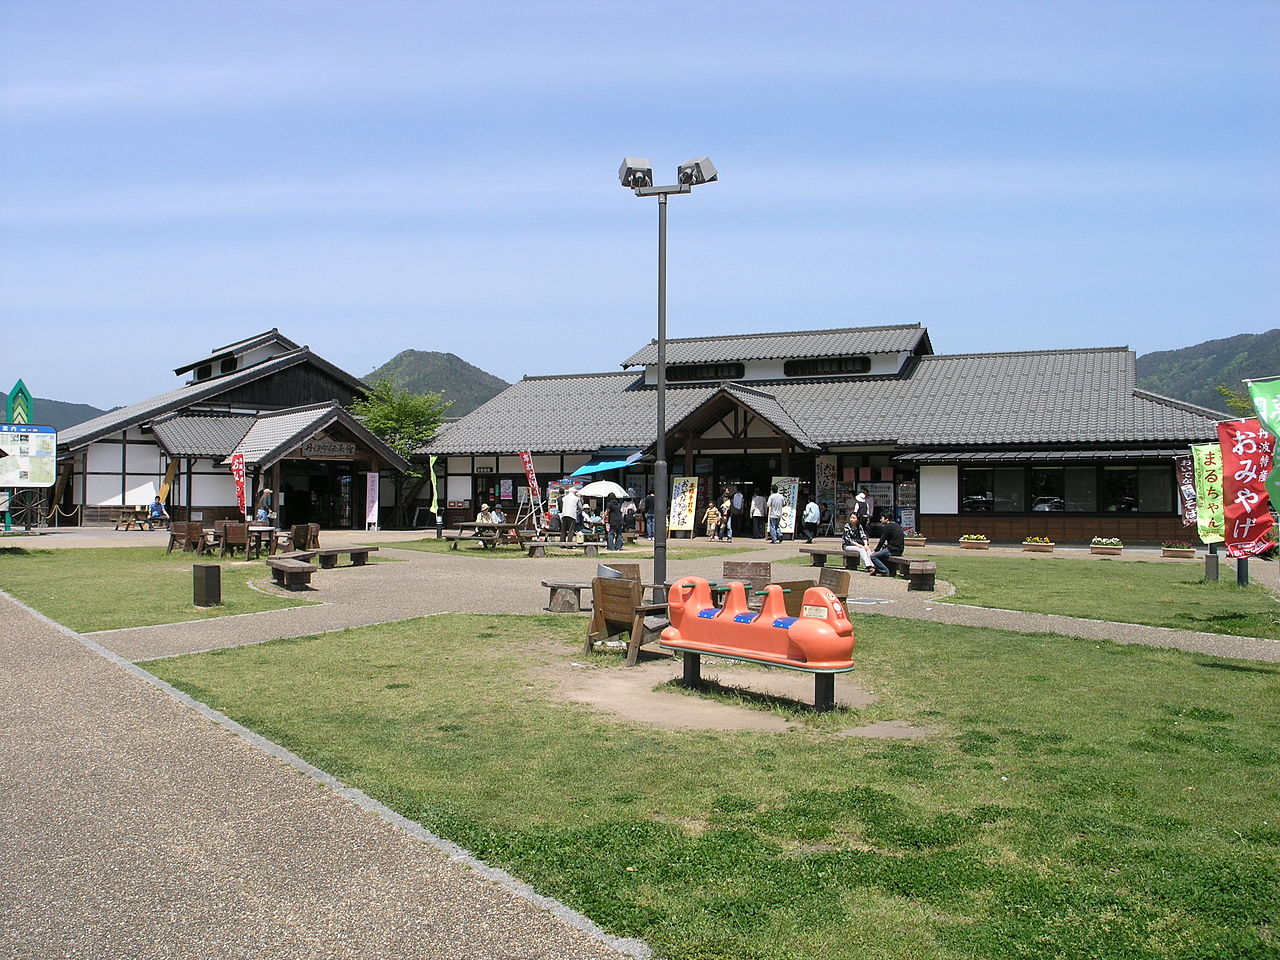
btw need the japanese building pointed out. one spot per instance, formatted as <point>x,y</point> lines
<point>1056,443</point>
<point>275,403</point>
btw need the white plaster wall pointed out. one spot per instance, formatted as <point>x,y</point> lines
<point>140,488</point>
<point>458,464</point>
<point>103,491</point>
<point>488,464</point>
<point>510,465</point>
<point>104,457</point>
<point>457,488</point>
<point>213,490</point>
<point>143,458</point>
<point>774,369</point>
<point>940,489</point>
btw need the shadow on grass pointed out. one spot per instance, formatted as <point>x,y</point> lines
<point>742,697</point>
<point>1238,667</point>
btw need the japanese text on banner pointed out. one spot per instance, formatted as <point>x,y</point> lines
<point>1186,472</point>
<point>1247,452</point>
<point>1266,400</point>
<point>1207,458</point>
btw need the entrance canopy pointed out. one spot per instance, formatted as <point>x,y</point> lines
<point>612,461</point>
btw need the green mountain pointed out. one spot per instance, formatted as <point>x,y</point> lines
<point>426,370</point>
<point>60,415</point>
<point>1192,373</point>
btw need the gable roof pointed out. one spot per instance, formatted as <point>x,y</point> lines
<point>1062,397</point>
<point>273,435</point>
<point>201,434</point>
<point>241,346</point>
<point>904,338</point>
<point>192,394</point>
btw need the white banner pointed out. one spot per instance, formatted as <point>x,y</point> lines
<point>372,485</point>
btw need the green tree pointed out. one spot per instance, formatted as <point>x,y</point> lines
<point>1240,403</point>
<point>405,421</point>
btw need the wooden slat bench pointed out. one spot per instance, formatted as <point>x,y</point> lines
<point>487,540</point>
<point>818,556</point>
<point>920,573</point>
<point>359,555</point>
<point>566,597</point>
<point>538,548</point>
<point>290,573</point>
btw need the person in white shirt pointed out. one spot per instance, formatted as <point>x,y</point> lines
<point>775,506</point>
<point>568,514</point>
<point>809,520</point>
<point>757,515</point>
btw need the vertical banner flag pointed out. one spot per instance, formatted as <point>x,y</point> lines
<point>237,471</point>
<point>372,489</point>
<point>684,500</point>
<point>535,495</point>
<point>1266,400</point>
<point>1207,458</point>
<point>1186,470</point>
<point>435,486</point>
<point>789,487</point>
<point>1247,452</point>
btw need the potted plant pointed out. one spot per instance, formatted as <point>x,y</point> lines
<point>1178,550</point>
<point>1109,546</point>
<point>974,541</point>
<point>1037,545</point>
<point>915,541</point>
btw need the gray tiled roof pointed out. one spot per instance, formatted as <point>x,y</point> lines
<point>1068,397</point>
<point>766,405</point>
<point>273,435</point>
<point>191,395</point>
<point>803,343</point>
<point>241,346</point>
<point>201,435</point>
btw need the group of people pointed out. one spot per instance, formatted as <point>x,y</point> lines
<point>616,517</point>
<point>854,540</point>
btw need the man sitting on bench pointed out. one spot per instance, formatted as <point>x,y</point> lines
<point>891,544</point>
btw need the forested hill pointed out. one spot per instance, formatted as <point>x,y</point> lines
<point>60,415</point>
<point>426,370</point>
<point>1192,373</point>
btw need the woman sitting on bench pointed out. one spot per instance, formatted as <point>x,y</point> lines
<point>853,541</point>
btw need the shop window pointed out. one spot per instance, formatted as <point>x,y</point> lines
<point>228,365</point>
<point>1081,489</point>
<point>1119,493</point>
<point>826,366</point>
<point>1155,489</point>
<point>977,490</point>
<point>1010,489</point>
<point>1048,490</point>
<point>705,371</point>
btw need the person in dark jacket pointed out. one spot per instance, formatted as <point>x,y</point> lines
<point>613,522</point>
<point>891,545</point>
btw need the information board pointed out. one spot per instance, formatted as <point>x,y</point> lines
<point>30,455</point>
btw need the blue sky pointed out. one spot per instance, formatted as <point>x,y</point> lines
<point>377,176</point>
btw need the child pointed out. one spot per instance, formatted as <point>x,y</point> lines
<point>711,520</point>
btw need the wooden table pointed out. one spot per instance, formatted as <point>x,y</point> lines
<point>499,531</point>
<point>256,533</point>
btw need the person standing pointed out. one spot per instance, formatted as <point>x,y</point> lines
<point>812,514</point>
<point>711,520</point>
<point>613,522</point>
<point>862,508</point>
<point>568,514</point>
<point>775,506</point>
<point>757,514</point>
<point>649,500</point>
<point>891,545</point>
<point>726,516</point>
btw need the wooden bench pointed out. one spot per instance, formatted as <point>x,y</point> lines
<point>920,573</point>
<point>618,606</point>
<point>565,597</point>
<point>290,573</point>
<point>818,556</point>
<point>538,548</point>
<point>487,540</point>
<point>359,555</point>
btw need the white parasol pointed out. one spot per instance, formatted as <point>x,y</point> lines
<point>602,488</point>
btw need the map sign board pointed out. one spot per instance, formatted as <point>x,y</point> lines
<point>30,455</point>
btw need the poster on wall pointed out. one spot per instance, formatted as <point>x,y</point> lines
<point>789,487</point>
<point>684,500</point>
<point>907,520</point>
<point>824,480</point>
<point>506,489</point>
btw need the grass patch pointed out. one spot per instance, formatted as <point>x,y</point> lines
<point>113,587</point>
<point>1125,591</point>
<point>1083,798</point>
<point>511,552</point>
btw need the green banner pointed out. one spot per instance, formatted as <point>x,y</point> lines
<point>1266,400</point>
<point>1209,518</point>
<point>435,486</point>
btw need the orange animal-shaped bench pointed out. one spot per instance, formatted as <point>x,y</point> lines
<point>820,641</point>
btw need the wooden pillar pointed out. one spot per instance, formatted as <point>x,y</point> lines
<point>786,457</point>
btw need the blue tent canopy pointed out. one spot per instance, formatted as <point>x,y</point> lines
<point>611,461</point>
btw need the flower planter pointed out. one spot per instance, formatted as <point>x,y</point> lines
<point>1105,551</point>
<point>1178,553</point>
<point>974,544</point>
<point>915,543</point>
<point>1038,547</point>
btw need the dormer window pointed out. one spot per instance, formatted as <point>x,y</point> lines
<point>229,365</point>
<point>826,366</point>
<point>686,372</point>
<point>204,371</point>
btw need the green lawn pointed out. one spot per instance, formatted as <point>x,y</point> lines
<point>109,588</point>
<point>1159,594</point>
<point>1079,798</point>
<point>676,550</point>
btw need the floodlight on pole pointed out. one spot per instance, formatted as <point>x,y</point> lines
<point>636,174</point>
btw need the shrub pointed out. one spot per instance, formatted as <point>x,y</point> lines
<point>1037,540</point>
<point>1178,545</point>
<point>1106,542</point>
<point>974,536</point>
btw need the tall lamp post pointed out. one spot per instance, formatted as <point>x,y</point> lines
<point>636,174</point>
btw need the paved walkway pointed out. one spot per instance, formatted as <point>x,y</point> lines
<point>143,829</point>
